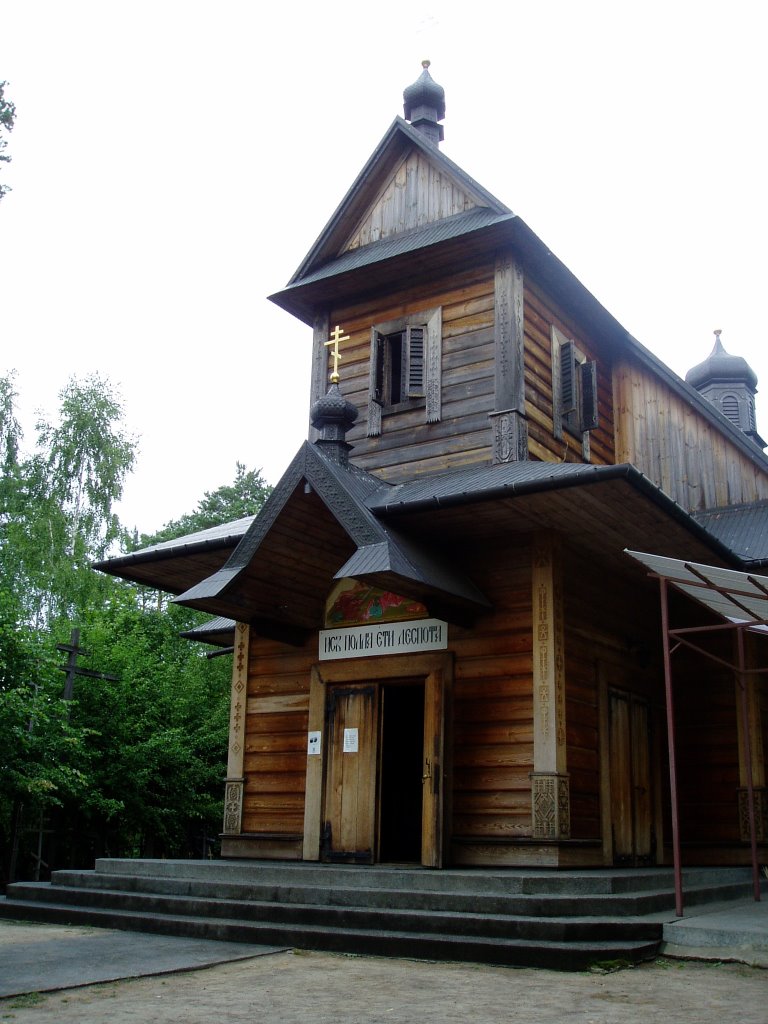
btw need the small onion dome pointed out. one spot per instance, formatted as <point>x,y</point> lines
<point>334,411</point>
<point>424,92</point>
<point>723,368</point>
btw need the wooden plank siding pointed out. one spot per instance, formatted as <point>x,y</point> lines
<point>408,446</point>
<point>677,448</point>
<point>541,313</point>
<point>417,194</point>
<point>275,761</point>
<point>493,704</point>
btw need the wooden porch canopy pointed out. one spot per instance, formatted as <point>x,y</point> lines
<point>741,600</point>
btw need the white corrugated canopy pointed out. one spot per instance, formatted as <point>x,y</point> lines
<point>738,597</point>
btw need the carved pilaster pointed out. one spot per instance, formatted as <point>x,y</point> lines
<point>761,814</point>
<point>233,798</point>
<point>509,338</point>
<point>551,803</point>
<point>549,749</point>
<point>510,436</point>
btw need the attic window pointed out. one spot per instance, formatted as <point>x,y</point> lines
<point>574,390</point>
<point>405,367</point>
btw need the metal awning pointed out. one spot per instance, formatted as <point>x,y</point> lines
<point>740,599</point>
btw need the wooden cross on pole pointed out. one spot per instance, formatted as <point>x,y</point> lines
<point>336,337</point>
<point>72,669</point>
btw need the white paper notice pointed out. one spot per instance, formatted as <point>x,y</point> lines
<point>350,741</point>
<point>313,743</point>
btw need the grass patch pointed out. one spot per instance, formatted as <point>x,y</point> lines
<point>26,999</point>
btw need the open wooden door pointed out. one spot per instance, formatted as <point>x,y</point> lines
<point>630,768</point>
<point>384,745</point>
<point>350,799</point>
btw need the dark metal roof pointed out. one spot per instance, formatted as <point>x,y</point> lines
<point>742,528</point>
<point>218,631</point>
<point>214,536</point>
<point>254,586</point>
<point>400,244</point>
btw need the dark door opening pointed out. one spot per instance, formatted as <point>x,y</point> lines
<point>401,769</point>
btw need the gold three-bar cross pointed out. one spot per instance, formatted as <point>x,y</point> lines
<point>336,337</point>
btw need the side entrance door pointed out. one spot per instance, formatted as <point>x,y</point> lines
<point>631,783</point>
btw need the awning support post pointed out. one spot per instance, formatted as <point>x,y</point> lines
<point>742,681</point>
<point>671,749</point>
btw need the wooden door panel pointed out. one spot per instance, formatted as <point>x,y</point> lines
<point>350,804</point>
<point>630,782</point>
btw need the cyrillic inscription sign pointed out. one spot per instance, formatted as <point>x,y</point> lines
<point>387,638</point>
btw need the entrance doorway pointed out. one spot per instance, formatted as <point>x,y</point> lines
<point>630,779</point>
<point>375,775</point>
<point>401,767</point>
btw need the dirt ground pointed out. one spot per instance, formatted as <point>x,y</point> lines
<point>320,988</point>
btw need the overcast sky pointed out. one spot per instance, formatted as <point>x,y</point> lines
<point>174,160</point>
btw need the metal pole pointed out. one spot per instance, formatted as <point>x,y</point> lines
<point>748,757</point>
<point>671,748</point>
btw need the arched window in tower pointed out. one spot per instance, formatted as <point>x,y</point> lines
<point>730,407</point>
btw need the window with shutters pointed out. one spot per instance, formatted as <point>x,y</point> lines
<point>405,367</point>
<point>574,390</point>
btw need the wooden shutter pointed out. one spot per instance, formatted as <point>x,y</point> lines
<point>588,395</point>
<point>375,383</point>
<point>567,377</point>
<point>415,338</point>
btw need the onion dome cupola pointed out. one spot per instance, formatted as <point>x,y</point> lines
<point>424,105</point>
<point>333,415</point>
<point>730,383</point>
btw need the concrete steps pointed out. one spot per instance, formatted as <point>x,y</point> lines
<point>561,920</point>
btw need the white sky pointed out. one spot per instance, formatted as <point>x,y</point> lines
<point>174,160</point>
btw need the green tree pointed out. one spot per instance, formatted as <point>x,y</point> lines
<point>56,504</point>
<point>7,121</point>
<point>243,497</point>
<point>55,517</point>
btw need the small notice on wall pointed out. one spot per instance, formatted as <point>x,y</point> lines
<point>350,741</point>
<point>313,743</point>
<point>386,638</point>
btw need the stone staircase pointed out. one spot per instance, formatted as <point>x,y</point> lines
<point>562,920</point>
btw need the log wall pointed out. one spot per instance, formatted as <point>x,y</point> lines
<point>408,445</point>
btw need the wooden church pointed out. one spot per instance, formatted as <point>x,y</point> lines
<point>443,653</point>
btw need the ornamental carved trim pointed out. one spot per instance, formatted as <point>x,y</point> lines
<point>233,807</point>
<point>510,437</point>
<point>551,805</point>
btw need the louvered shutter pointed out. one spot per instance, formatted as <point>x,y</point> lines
<point>567,377</point>
<point>415,338</point>
<point>588,395</point>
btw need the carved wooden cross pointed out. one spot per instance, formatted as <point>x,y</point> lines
<point>336,337</point>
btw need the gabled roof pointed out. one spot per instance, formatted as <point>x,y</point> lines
<point>397,141</point>
<point>314,528</point>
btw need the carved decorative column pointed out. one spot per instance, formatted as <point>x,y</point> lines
<point>508,422</point>
<point>549,779</point>
<point>233,793</point>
